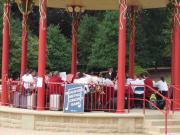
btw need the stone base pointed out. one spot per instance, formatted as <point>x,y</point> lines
<point>93,122</point>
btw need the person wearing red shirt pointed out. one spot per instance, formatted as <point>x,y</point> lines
<point>55,84</point>
<point>148,85</point>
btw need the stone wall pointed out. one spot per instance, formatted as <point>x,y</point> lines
<point>99,122</point>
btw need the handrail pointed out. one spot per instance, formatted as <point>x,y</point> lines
<point>168,102</point>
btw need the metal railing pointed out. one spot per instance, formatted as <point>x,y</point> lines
<point>145,100</point>
<point>97,97</point>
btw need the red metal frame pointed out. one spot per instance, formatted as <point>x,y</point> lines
<point>176,65</point>
<point>74,43</point>
<point>5,52</point>
<point>42,53</point>
<point>121,55</point>
<point>175,89</point>
<point>132,43</point>
<point>24,43</point>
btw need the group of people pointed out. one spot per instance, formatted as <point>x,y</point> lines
<point>138,83</point>
<point>30,80</point>
<point>144,80</point>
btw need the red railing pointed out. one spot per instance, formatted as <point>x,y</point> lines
<point>97,97</point>
<point>145,100</point>
<point>100,98</point>
<point>173,89</point>
<point>54,96</point>
<point>22,94</point>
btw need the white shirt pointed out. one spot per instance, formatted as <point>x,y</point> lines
<point>84,80</point>
<point>162,86</point>
<point>128,80</point>
<point>28,80</point>
<point>108,82</point>
<point>138,82</point>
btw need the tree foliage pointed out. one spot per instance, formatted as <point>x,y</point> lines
<point>15,48</point>
<point>104,48</point>
<point>86,35</point>
<point>58,50</point>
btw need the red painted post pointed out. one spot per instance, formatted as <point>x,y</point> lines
<point>5,52</point>
<point>172,50</point>
<point>121,56</point>
<point>42,55</point>
<point>132,44</point>
<point>74,43</point>
<point>176,60</point>
<point>24,43</point>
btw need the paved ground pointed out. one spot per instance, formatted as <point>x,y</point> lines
<point>8,131</point>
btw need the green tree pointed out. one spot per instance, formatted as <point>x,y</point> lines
<point>15,48</point>
<point>150,44</point>
<point>104,48</point>
<point>86,35</point>
<point>58,50</point>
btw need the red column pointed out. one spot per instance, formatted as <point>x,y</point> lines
<point>132,44</point>
<point>5,52</point>
<point>121,55</point>
<point>172,52</point>
<point>24,44</point>
<point>42,54</point>
<point>74,43</point>
<point>176,74</point>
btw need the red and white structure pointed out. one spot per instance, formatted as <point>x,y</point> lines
<point>75,7</point>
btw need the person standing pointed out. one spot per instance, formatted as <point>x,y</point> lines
<point>111,74</point>
<point>28,82</point>
<point>148,85</point>
<point>162,86</point>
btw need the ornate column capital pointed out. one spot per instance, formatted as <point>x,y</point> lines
<point>177,14</point>
<point>123,9</point>
<point>25,6</point>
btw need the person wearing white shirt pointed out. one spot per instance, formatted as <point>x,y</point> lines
<point>83,79</point>
<point>28,82</point>
<point>135,84</point>
<point>138,90</point>
<point>162,86</point>
<point>108,82</point>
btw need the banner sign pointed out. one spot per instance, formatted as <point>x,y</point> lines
<point>74,98</point>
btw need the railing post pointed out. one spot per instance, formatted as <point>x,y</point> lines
<point>173,99</point>
<point>129,100</point>
<point>166,116</point>
<point>144,98</point>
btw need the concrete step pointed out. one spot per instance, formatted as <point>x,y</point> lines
<point>176,116</point>
<point>161,122</point>
<point>171,129</point>
<point>155,124</point>
<point>156,133</point>
<point>4,131</point>
<point>158,116</point>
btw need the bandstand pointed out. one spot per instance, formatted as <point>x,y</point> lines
<point>75,7</point>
